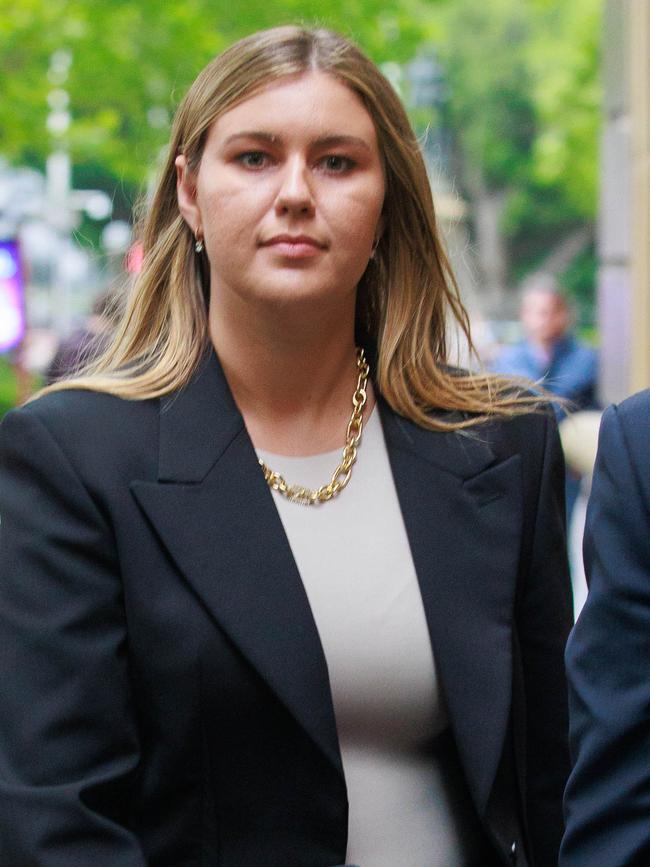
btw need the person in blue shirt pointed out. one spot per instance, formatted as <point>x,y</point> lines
<point>549,353</point>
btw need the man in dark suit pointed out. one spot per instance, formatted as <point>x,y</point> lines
<point>608,656</point>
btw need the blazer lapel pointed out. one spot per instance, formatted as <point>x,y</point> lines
<point>462,512</point>
<point>215,515</point>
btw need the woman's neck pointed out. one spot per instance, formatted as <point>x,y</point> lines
<point>292,376</point>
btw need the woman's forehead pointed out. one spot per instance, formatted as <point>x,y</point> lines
<point>314,103</point>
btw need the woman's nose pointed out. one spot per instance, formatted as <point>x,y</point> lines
<point>295,195</point>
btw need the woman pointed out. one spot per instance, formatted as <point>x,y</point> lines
<point>205,664</point>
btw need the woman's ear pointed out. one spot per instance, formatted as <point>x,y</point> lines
<point>186,194</point>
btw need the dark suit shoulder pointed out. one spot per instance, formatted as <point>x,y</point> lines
<point>93,429</point>
<point>633,416</point>
<point>79,405</point>
<point>636,406</point>
<point>623,440</point>
<point>523,434</point>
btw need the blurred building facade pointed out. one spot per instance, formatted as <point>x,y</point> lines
<point>624,236</point>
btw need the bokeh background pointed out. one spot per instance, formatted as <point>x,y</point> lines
<point>533,117</point>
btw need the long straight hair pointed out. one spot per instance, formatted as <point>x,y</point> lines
<point>405,299</point>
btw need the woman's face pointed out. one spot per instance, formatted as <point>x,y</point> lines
<point>288,194</point>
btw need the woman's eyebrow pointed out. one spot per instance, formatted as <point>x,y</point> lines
<point>258,135</point>
<point>338,140</point>
<point>323,141</point>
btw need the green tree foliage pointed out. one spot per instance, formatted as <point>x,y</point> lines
<point>491,107</point>
<point>523,78</point>
<point>132,60</point>
<point>564,60</point>
<point>525,112</point>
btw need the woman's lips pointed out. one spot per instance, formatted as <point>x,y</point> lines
<point>295,247</point>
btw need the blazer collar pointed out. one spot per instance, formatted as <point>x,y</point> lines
<point>462,510</point>
<point>197,424</point>
<point>206,404</point>
<point>461,453</point>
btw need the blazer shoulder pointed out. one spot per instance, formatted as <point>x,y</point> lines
<point>623,438</point>
<point>82,411</point>
<point>89,426</point>
<point>633,415</point>
<point>525,434</point>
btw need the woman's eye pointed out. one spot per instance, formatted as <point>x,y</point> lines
<point>253,159</point>
<point>337,164</point>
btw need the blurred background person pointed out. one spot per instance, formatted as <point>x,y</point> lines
<point>549,352</point>
<point>80,347</point>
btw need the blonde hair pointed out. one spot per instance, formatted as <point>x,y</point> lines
<point>404,298</point>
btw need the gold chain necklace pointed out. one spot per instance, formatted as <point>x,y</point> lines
<point>341,475</point>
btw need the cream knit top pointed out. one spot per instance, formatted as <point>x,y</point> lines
<point>408,803</point>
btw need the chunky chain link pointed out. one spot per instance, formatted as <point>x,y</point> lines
<point>341,475</point>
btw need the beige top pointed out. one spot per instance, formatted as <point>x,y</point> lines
<point>408,804</point>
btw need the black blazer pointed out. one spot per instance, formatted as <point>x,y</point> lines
<point>165,698</point>
<point>608,656</point>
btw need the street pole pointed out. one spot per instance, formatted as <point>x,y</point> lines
<point>58,185</point>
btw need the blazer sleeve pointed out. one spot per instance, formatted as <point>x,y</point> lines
<point>607,801</point>
<point>68,739</point>
<point>544,619</point>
